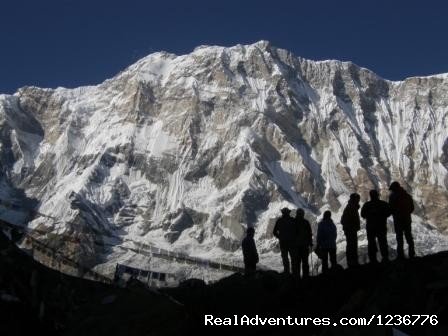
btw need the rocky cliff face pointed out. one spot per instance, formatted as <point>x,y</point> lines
<point>184,151</point>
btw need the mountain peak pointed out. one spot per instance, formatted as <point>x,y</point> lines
<point>262,44</point>
<point>186,151</point>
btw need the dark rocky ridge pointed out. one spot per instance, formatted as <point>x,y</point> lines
<point>73,306</point>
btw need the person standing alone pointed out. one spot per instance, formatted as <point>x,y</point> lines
<point>326,240</point>
<point>250,254</point>
<point>351,225</point>
<point>376,212</point>
<point>304,242</point>
<point>285,231</point>
<point>402,206</point>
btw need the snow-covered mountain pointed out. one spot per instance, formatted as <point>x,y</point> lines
<point>184,151</point>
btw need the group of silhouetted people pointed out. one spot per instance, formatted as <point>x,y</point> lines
<point>296,242</point>
<point>295,237</point>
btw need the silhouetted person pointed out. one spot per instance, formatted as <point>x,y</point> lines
<point>285,231</point>
<point>402,206</point>
<point>326,240</point>
<point>351,225</point>
<point>250,254</point>
<point>376,212</point>
<point>304,241</point>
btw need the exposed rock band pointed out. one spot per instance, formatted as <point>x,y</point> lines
<point>296,240</point>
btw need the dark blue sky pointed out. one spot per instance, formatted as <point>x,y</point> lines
<point>52,43</point>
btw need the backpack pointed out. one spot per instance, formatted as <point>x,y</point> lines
<point>405,203</point>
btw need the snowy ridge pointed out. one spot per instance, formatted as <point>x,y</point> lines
<point>184,152</point>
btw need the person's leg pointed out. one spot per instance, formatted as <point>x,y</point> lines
<point>399,236</point>
<point>410,240</point>
<point>333,260</point>
<point>285,259</point>
<point>371,246</point>
<point>352,248</point>
<point>324,260</point>
<point>348,255</point>
<point>299,260</point>
<point>355,249</point>
<point>294,254</point>
<point>384,248</point>
<point>250,268</point>
<point>304,260</point>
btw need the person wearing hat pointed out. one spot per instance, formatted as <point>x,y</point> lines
<point>285,232</point>
<point>402,206</point>
<point>375,213</point>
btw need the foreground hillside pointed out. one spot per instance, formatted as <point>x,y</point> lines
<point>35,298</point>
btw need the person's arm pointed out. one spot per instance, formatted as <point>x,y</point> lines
<point>364,211</point>
<point>387,209</point>
<point>411,201</point>
<point>392,203</point>
<point>335,232</point>
<point>254,249</point>
<point>244,247</point>
<point>319,234</point>
<point>309,233</point>
<point>275,231</point>
<point>344,216</point>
